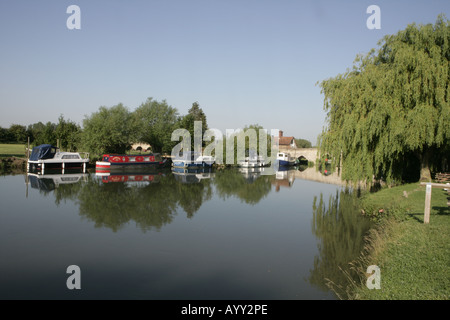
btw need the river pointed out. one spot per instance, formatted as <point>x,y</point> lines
<point>228,234</point>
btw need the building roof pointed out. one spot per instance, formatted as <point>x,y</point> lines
<point>285,140</point>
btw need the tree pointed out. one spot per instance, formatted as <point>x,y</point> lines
<point>109,130</point>
<point>393,105</point>
<point>5,135</point>
<point>18,133</point>
<point>249,134</point>
<point>303,143</point>
<point>68,133</point>
<point>195,113</point>
<point>42,133</point>
<point>154,122</point>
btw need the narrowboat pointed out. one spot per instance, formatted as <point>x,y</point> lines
<point>50,157</point>
<point>121,161</point>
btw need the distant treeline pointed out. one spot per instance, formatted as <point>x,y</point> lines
<point>114,129</point>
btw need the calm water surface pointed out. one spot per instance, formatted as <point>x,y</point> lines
<point>220,235</point>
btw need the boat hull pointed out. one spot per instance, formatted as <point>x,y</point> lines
<point>184,164</point>
<point>111,162</point>
<point>285,163</point>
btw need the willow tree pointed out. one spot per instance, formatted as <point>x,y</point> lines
<point>392,106</point>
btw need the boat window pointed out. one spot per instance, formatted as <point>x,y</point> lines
<point>71,156</point>
<point>70,179</point>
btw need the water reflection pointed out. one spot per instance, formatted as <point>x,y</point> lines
<point>341,230</point>
<point>284,177</point>
<point>250,186</point>
<point>192,175</point>
<point>152,200</point>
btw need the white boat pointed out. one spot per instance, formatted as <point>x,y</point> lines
<point>193,160</point>
<point>48,156</point>
<point>252,162</point>
<point>285,159</point>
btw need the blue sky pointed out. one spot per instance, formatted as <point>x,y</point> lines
<point>245,61</point>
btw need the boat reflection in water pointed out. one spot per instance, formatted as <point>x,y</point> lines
<point>192,175</point>
<point>251,174</point>
<point>129,177</point>
<point>49,182</point>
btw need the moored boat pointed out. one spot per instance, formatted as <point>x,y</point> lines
<point>120,161</point>
<point>252,162</point>
<point>285,159</point>
<point>48,156</point>
<point>192,159</point>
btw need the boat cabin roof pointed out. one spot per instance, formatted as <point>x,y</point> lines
<point>43,151</point>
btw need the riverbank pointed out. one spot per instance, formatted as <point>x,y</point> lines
<point>413,257</point>
<point>12,163</point>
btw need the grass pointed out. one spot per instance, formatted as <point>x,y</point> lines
<point>414,258</point>
<point>12,150</point>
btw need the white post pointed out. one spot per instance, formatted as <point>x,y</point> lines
<point>426,216</point>
<point>43,168</point>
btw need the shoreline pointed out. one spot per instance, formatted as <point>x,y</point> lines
<point>413,257</point>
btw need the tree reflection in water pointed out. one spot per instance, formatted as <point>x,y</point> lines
<point>336,223</point>
<point>340,229</point>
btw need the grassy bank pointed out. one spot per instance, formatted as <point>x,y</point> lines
<point>12,150</point>
<point>413,257</point>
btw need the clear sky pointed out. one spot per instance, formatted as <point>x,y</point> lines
<point>244,61</point>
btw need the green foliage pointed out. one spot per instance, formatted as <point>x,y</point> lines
<point>340,230</point>
<point>68,133</point>
<point>231,183</point>
<point>18,133</point>
<point>5,135</point>
<point>154,122</point>
<point>392,105</point>
<point>244,134</point>
<point>109,130</point>
<point>303,143</point>
<point>195,113</point>
<point>45,134</point>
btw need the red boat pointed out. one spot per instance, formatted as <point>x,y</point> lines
<point>111,161</point>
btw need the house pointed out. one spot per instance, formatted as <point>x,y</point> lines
<point>286,142</point>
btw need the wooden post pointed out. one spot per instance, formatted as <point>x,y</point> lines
<point>426,216</point>
<point>28,148</point>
